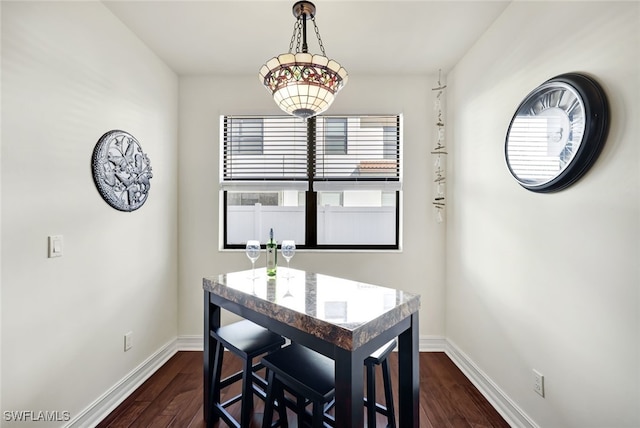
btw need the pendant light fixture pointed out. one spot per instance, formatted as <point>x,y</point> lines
<point>303,84</point>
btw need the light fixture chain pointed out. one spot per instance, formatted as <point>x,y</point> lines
<point>299,33</point>
<point>293,36</point>
<point>315,26</point>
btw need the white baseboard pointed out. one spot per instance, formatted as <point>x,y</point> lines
<point>107,402</point>
<point>432,344</point>
<point>190,343</point>
<point>507,408</point>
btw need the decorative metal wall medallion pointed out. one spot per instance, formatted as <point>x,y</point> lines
<point>121,170</point>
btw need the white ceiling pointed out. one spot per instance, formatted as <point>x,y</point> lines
<point>366,37</point>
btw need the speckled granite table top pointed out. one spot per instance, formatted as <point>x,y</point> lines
<point>347,313</point>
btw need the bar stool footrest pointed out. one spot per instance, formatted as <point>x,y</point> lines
<point>379,408</point>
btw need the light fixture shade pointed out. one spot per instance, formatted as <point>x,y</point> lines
<point>303,84</point>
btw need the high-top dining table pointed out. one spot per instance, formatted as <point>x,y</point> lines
<point>343,319</point>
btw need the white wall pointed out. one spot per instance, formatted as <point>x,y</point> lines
<point>548,281</point>
<point>418,268</point>
<point>70,72</point>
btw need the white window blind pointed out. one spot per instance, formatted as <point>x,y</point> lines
<point>263,153</point>
<point>371,159</point>
<point>272,152</point>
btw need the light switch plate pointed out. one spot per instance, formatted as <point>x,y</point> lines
<point>538,382</point>
<point>128,337</point>
<point>55,246</point>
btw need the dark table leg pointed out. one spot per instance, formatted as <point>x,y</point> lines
<point>211,321</point>
<point>409,376</point>
<point>349,389</point>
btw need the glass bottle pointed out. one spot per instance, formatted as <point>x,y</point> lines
<point>272,255</point>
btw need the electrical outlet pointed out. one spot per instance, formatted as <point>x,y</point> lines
<point>127,341</point>
<point>538,383</point>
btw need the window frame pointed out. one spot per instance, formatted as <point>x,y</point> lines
<point>251,143</point>
<point>311,195</point>
<point>336,140</point>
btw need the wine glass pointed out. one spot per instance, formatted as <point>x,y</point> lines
<point>288,249</point>
<point>253,252</point>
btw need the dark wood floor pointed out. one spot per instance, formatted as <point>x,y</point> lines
<point>172,397</point>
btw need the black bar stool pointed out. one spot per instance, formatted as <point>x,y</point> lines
<point>248,341</point>
<point>380,358</point>
<point>310,376</point>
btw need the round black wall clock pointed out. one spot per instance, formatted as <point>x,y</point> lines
<point>557,132</point>
<point>121,170</point>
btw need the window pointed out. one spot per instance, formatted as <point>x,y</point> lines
<point>336,135</point>
<point>247,136</point>
<point>332,182</point>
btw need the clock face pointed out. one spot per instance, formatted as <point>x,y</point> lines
<point>556,133</point>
